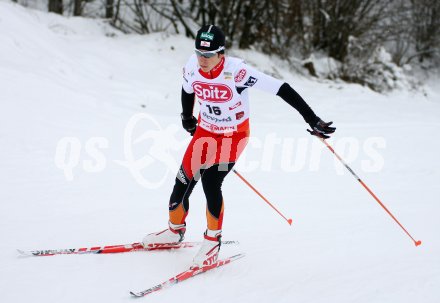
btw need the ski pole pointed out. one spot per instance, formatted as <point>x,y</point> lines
<point>417,243</point>
<point>262,197</point>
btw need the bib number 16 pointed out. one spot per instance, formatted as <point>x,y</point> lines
<point>214,110</point>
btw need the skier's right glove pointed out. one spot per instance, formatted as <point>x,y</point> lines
<point>189,123</point>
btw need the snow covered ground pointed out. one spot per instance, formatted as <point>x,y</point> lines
<point>90,140</point>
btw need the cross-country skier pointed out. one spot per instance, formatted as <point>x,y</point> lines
<point>220,84</point>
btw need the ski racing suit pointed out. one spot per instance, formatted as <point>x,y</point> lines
<point>223,129</point>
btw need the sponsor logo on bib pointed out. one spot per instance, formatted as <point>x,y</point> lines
<point>217,120</point>
<point>212,92</point>
<point>239,115</point>
<point>240,75</point>
<point>235,105</point>
<point>251,81</point>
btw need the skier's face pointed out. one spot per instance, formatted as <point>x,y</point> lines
<point>206,64</point>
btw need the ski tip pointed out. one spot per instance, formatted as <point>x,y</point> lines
<point>23,253</point>
<point>289,221</point>
<point>418,243</point>
<point>134,294</point>
<point>137,294</point>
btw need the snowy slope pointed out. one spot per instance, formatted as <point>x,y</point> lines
<point>79,81</point>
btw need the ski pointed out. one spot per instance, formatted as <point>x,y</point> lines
<point>186,275</point>
<point>112,249</point>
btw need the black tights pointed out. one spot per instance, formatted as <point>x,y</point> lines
<point>212,179</point>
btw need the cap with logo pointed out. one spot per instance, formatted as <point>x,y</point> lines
<point>210,38</point>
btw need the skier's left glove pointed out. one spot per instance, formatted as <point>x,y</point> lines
<point>321,129</point>
<point>189,123</point>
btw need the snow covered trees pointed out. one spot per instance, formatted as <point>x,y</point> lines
<point>349,33</point>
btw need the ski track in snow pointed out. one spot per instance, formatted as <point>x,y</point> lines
<point>63,77</point>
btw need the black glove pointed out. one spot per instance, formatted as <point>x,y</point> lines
<point>321,129</point>
<point>189,123</point>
